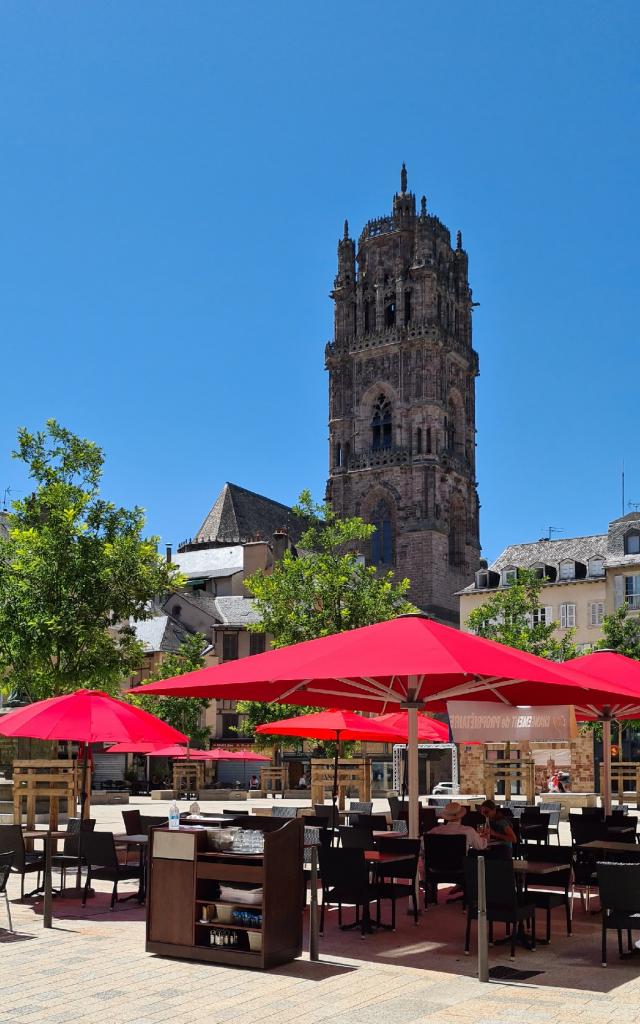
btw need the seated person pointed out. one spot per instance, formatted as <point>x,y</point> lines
<point>254,782</point>
<point>302,782</point>
<point>500,830</point>
<point>453,814</point>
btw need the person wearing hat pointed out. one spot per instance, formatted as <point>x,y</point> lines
<point>453,814</point>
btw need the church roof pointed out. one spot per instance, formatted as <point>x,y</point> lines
<point>239,516</point>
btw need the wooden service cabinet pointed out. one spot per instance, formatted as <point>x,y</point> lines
<point>184,877</point>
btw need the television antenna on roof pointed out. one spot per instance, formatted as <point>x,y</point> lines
<point>634,505</point>
<point>551,530</point>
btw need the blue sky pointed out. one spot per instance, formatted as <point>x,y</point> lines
<point>173,182</point>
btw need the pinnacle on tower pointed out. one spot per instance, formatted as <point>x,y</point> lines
<point>459,241</point>
<point>403,178</point>
<point>423,206</point>
<point>346,230</point>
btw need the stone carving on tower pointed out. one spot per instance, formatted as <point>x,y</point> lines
<point>402,400</point>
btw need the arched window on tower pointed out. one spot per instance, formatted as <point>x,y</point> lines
<point>407,307</point>
<point>457,535</point>
<point>428,440</point>
<point>337,455</point>
<point>419,441</point>
<point>390,313</point>
<point>382,540</point>
<point>381,423</point>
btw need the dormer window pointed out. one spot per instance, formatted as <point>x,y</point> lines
<point>538,571</point>
<point>509,576</point>
<point>596,566</point>
<point>482,580</point>
<point>567,569</point>
<point>632,542</point>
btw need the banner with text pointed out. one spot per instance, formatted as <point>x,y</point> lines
<point>490,723</point>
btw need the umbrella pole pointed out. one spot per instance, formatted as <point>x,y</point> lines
<point>83,798</point>
<point>606,762</point>
<point>334,792</point>
<point>411,706</point>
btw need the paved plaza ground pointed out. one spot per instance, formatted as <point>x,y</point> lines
<point>91,968</point>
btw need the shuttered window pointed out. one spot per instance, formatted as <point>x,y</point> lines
<point>567,616</point>
<point>596,613</point>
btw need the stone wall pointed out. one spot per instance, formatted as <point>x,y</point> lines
<point>582,771</point>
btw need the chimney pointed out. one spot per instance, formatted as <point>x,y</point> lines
<point>280,544</point>
<point>168,552</point>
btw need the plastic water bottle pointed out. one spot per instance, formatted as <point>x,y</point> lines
<point>174,816</point>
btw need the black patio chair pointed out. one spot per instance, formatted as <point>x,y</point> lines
<point>473,819</point>
<point>329,812</point>
<point>99,852</point>
<point>23,862</point>
<point>374,822</point>
<point>444,860</point>
<point>71,849</point>
<point>427,819</point>
<point>619,886</point>
<point>538,888</point>
<point>5,870</point>
<point>586,828</point>
<point>398,879</point>
<point>149,821</point>
<point>358,807</point>
<point>352,838</point>
<point>534,826</point>
<point>504,903</point>
<point>132,822</point>
<point>593,812</point>
<point>345,880</point>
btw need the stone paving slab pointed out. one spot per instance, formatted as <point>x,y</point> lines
<point>91,968</point>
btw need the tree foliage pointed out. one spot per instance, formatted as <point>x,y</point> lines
<point>183,713</point>
<point>621,633</point>
<point>327,589</point>
<point>73,569</point>
<point>510,617</point>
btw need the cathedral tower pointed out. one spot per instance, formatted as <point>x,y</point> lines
<point>402,400</point>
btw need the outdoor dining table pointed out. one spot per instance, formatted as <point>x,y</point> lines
<point>621,830</point>
<point>142,843</point>
<point>49,838</point>
<point>611,846</point>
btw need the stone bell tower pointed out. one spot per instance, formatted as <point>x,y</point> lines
<point>402,400</point>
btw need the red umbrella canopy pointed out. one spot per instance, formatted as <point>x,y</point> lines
<point>245,755</point>
<point>88,716</point>
<point>156,750</point>
<point>375,668</point>
<point>429,729</point>
<point>613,671</point>
<point>329,725</point>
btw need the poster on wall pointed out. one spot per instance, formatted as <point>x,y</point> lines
<point>491,723</point>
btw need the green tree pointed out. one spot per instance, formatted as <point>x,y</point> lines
<point>510,617</point>
<point>74,570</point>
<point>183,713</point>
<point>327,589</point>
<point>621,633</point>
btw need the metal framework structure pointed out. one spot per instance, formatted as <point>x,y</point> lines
<point>397,762</point>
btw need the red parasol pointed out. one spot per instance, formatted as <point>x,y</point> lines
<point>88,716</point>
<point>411,662</point>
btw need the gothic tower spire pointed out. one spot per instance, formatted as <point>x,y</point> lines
<point>402,400</point>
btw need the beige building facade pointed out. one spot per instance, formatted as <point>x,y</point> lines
<point>585,578</point>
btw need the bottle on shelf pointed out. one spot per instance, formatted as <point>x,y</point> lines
<point>174,817</point>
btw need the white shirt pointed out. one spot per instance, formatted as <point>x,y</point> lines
<point>454,828</point>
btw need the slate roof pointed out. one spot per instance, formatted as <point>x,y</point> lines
<point>550,552</point>
<point>210,563</point>
<point>160,633</point>
<point>239,516</point>
<point>236,611</point>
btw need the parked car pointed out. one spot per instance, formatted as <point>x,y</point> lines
<point>443,789</point>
